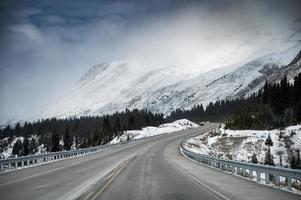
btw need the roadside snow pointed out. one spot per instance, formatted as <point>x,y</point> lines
<point>7,146</point>
<point>241,144</point>
<point>178,125</point>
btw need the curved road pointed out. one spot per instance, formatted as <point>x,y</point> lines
<point>141,170</point>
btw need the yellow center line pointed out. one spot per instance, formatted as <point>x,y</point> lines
<point>108,183</point>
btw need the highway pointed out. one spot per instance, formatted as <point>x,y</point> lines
<point>141,170</point>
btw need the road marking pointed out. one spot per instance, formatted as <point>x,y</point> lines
<point>41,186</point>
<point>113,176</point>
<point>198,182</point>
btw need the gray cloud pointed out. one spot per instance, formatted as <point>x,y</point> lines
<point>47,45</point>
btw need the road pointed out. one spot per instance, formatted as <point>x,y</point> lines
<point>142,170</point>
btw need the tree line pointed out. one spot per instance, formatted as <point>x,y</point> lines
<point>79,132</point>
<point>275,106</point>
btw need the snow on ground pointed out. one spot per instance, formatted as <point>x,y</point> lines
<point>241,144</point>
<point>178,125</point>
<point>7,146</point>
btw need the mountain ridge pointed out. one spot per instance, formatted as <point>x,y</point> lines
<point>107,88</point>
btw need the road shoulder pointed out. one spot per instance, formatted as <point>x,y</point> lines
<point>227,185</point>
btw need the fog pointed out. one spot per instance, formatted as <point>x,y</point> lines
<point>46,46</point>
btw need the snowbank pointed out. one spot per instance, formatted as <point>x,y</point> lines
<point>178,125</point>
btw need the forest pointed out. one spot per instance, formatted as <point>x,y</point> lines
<point>80,132</point>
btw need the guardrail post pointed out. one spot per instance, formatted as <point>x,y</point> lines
<point>258,174</point>
<point>289,183</point>
<point>250,174</point>
<point>22,164</point>
<point>267,178</point>
<point>16,165</point>
<point>9,166</point>
<point>1,167</point>
<point>277,180</point>
<point>233,169</point>
<point>244,172</point>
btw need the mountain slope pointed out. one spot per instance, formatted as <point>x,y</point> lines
<point>107,88</point>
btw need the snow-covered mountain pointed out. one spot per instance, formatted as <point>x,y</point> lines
<point>107,88</point>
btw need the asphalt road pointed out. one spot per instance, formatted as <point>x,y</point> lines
<point>142,170</point>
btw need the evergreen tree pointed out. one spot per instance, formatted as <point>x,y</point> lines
<point>33,146</point>
<point>96,139</point>
<point>18,129</point>
<point>265,95</point>
<point>254,158</point>
<point>118,125</point>
<point>269,141</point>
<point>17,148</point>
<point>67,140</point>
<point>55,142</point>
<point>25,147</point>
<point>293,161</point>
<point>132,123</point>
<point>107,129</point>
<point>269,159</point>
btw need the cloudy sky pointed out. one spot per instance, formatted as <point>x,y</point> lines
<point>46,46</point>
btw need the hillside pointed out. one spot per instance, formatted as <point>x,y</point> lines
<point>107,88</point>
<point>240,145</point>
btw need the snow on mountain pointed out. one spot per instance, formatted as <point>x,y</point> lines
<point>241,144</point>
<point>107,88</point>
<point>178,125</point>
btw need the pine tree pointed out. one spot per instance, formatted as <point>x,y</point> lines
<point>33,146</point>
<point>269,141</point>
<point>107,129</point>
<point>265,93</point>
<point>17,148</point>
<point>118,125</point>
<point>25,147</point>
<point>55,142</point>
<point>67,140</point>
<point>293,161</point>
<point>254,158</point>
<point>132,123</point>
<point>269,159</point>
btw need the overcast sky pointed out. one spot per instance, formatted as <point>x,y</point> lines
<point>46,46</point>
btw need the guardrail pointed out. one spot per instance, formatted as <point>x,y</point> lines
<point>32,160</point>
<point>271,173</point>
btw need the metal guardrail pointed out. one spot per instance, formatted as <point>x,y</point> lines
<point>271,173</point>
<point>32,160</point>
